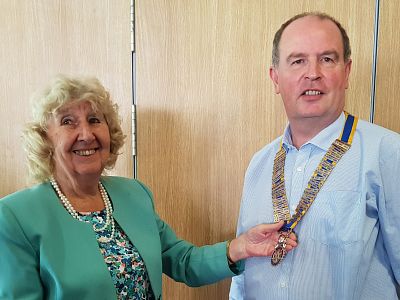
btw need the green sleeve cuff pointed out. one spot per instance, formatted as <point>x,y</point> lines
<point>236,267</point>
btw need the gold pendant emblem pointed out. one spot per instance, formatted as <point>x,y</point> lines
<point>280,249</point>
<point>278,255</point>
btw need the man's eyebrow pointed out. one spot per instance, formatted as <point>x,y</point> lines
<point>331,52</point>
<point>295,55</point>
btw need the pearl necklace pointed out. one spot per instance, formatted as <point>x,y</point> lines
<point>71,210</point>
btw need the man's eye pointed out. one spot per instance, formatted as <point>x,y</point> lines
<point>327,59</point>
<point>298,62</point>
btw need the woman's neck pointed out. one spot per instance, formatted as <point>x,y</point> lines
<point>83,193</point>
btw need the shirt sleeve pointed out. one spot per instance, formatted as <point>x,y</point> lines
<point>19,271</point>
<point>237,291</point>
<point>237,288</point>
<point>389,199</point>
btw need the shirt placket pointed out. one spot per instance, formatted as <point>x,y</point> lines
<point>298,180</point>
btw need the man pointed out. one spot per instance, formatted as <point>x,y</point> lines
<point>346,214</point>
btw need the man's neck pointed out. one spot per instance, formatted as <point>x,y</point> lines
<point>303,130</point>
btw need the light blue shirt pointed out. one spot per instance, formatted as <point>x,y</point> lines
<point>349,240</point>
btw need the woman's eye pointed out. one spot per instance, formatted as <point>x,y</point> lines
<point>66,121</point>
<point>94,120</point>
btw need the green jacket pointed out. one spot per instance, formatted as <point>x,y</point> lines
<point>46,254</point>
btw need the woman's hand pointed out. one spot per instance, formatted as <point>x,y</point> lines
<point>258,241</point>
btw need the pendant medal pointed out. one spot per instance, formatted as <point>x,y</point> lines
<point>280,250</point>
<point>278,255</point>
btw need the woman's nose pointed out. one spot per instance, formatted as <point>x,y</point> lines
<point>85,132</point>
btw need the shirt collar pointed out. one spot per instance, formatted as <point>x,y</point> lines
<point>323,139</point>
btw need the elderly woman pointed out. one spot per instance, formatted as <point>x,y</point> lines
<point>79,234</point>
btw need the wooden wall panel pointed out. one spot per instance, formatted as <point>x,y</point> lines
<point>387,103</point>
<point>44,37</point>
<point>205,104</point>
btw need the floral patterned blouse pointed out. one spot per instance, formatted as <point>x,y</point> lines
<point>123,260</point>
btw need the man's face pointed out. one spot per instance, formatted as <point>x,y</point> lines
<point>312,75</point>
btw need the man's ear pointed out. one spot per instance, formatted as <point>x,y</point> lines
<point>273,74</point>
<point>347,71</point>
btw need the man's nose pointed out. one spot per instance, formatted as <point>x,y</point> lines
<point>313,71</point>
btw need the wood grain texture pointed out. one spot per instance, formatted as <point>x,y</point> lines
<point>387,104</point>
<point>45,37</point>
<point>205,105</point>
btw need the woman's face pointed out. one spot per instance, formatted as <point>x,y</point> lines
<point>80,139</point>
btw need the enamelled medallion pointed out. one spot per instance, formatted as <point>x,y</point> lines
<point>280,249</point>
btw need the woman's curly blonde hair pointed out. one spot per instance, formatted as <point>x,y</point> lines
<point>45,104</point>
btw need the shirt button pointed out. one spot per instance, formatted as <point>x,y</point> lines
<point>283,284</point>
<point>299,169</point>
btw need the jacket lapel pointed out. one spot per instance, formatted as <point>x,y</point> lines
<point>134,212</point>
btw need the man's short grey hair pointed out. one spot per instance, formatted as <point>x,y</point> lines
<point>322,16</point>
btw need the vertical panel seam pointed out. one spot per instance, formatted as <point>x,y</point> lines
<point>133,81</point>
<point>374,62</point>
